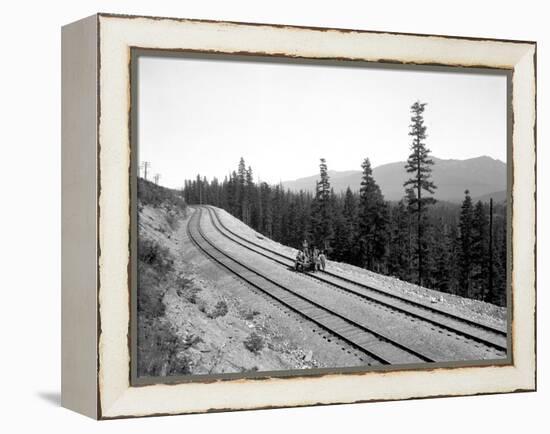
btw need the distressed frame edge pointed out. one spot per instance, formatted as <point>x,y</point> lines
<point>529,387</point>
<point>306,27</point>
<point>79,218</point>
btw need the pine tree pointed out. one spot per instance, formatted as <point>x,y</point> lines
<point>242,199</point>
<point>497,247</point>
<point>419,166</point>
<point>373,220</point>
<point>453,248</point>
<point>277,212</point>
<point>441,273</point>
<point>305,201</point>
<point>349,213</point>
<point>480,253</point>
<point>321,214</point>
<point>234,194</point>
<point>266,198</point>
<point>248,192</point>
<point>466,241</point>
<point>500,253</point>
<point>340,240</point>
<point>399,250</point>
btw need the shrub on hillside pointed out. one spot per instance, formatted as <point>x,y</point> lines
<point>254,343</point>
<point>161,350</point>
<point>151,194</point>
<point>149,295</point>
<point>219,310</point>
<point>186,289</point>
<point>152,253</point>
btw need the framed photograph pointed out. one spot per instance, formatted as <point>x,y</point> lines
<point>262,216</point>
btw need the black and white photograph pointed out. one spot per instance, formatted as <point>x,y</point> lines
<point>299,216</point>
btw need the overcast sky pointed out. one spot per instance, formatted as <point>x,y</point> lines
<point>201,116</point>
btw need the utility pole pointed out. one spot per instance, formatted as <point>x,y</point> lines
<point>491,249</point>
<point>145,166</point>
<point>156,178</point>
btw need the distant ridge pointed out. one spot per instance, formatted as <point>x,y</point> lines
<point>483,176</point>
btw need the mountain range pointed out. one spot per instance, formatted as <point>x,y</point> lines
<point>484,176</point>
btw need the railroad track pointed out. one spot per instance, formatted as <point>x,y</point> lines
<point>378,349</point>
<point>481,333</point>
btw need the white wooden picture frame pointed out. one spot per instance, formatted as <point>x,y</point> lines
<point>96,213</point>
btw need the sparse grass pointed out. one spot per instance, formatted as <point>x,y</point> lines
<point>220,309</point>
<point>254,343</point>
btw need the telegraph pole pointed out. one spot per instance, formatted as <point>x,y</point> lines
<point>156,178</point>
<point>145,165</point>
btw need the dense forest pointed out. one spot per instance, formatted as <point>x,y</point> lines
<point>459,249</point>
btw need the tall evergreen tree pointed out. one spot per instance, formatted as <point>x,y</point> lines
<point>340,238</point>
<point>198,189</point>
<point>248,192</point>
<point>321,216</point>
<point>453,249</point>
<point>278,210</point>
<point>412,271</point>
<point>305,200</point>
<point>266,198</point>
<point>349,211</point>
<point>373,219</point>
<point>400,246</point>
<point>500,254</point>
<point>466,242</point>
<point>440,278</point>
<point>242,198</point>
<point>480,253</point>
<point>419,166</point>
<point>234,194</point>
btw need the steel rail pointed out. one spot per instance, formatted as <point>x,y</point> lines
<point>353,324</point>
<point>437,323</point>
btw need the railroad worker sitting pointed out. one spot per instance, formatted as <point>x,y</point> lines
<point>323,260</point>
<point>300,259</point>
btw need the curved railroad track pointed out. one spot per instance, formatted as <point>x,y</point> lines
<point>378,349</point>
<point>481,333</point>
